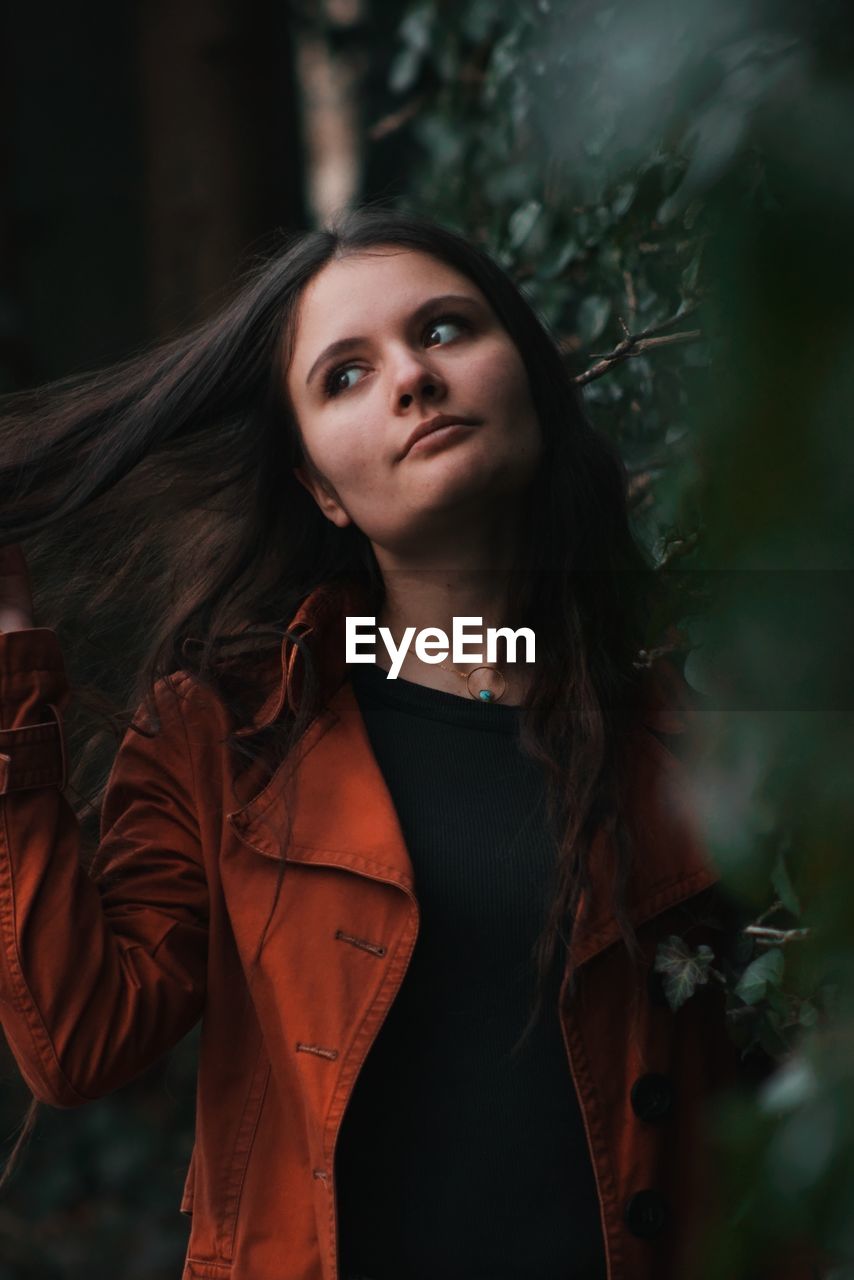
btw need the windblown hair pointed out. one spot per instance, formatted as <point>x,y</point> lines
<point>166,532</point>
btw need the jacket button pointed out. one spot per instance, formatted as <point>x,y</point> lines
<point>652,1097</point>
<point>646,1213</point>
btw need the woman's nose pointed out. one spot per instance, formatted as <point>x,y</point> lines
<point>416,380</point>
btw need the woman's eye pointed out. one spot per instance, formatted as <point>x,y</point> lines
<point>455,322</point>
<point>333,383</point>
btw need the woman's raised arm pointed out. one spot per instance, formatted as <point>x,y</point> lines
<point>98,975</point>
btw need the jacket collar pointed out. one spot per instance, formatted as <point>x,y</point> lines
<point>321,615</point>
<point>360,831</point>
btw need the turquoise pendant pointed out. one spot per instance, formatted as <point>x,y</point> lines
<point>485,695</point>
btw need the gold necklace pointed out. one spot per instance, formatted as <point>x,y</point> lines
<point>484,695</point>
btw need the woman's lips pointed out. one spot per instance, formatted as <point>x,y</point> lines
<point>440,434</point>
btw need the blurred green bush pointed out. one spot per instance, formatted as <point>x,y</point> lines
<point>638,164</point>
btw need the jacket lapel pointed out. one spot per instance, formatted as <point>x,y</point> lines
<point>341,810</point>
<point>343,814</point>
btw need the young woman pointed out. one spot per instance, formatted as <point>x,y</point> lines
<point>417,916</point>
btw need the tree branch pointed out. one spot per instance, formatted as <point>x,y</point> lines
<point>635,344</point>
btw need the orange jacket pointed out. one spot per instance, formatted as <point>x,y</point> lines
<point>100,975</point>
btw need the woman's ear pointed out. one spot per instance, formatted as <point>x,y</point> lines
<point>324,495</point>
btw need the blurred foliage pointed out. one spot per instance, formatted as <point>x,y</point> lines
<point>638,164</point>
<point>642,162</point>
<point>99,1188</point>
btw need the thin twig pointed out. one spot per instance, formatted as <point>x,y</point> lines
<point>766,936</point>
<point>633,346</point>
<point>655,329</point>
<point>395,119</point>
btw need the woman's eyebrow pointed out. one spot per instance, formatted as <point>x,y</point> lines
<point>342,345</point>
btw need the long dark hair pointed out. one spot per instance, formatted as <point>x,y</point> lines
<point>166,531</point>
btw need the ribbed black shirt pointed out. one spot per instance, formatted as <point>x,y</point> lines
<point>454,1159</point>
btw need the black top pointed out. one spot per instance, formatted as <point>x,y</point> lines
<point>454,1159</point>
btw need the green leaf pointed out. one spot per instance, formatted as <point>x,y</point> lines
<point>625,194</point>
<point>415,32</point>
<point>777,1001</point>
<point>682,969</point>
<point>691,273</point>
<point>522,222</point>
<point>765,969</point>
<point>559,259</point>
<point>771,1037</point>
<point>792,1084</point>
<point>592,317</point>
<point>783,886</point>
<point>808,1014</point>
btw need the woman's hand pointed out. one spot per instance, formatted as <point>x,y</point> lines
<point>16,599</point>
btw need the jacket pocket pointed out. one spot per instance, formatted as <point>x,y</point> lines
<point>200,1270</point>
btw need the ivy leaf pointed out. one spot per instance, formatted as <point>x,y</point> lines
<point>765,969</point>
<point>776,1001</point>
<point>682,969</point>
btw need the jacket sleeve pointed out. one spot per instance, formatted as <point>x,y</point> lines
<point>99,974</point>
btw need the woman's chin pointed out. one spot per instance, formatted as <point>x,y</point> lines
<point>459,481</point>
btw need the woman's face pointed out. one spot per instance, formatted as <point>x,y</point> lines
<point>384,341</point>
